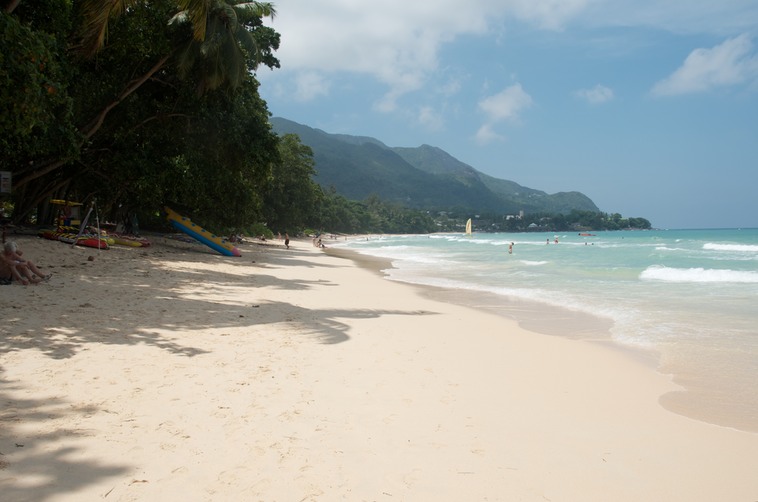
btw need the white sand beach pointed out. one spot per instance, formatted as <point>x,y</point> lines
<point>172,373</point>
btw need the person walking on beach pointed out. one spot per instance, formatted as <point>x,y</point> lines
<point>286,240</point>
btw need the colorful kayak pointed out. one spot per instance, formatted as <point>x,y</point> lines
<point>87,240</point>
<point>129,240</point>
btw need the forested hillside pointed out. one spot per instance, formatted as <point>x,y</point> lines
<point>425,177</point>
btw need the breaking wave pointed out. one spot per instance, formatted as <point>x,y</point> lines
<point>742,248</point>
<point>697,275</point>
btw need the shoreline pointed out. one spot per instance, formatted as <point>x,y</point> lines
<point>172,373</point>
<point>696,397</point>
<point>532,316</point>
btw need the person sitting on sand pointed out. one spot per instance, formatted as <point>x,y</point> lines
<point>22,270</point>
<point>8,270</point>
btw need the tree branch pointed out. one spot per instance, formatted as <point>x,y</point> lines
<point>43,170</point>
<point>94,125</point>
<point>160,117</point>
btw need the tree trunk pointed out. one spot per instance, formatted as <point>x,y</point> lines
<point>11,6</point>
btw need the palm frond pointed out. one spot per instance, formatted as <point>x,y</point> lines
<point>259,9</point>
<point>229,16</point>
<point>186,58</point>
<point>248,43</point>
<point>198,14</point>
<point>180,17</point>
<point>233,62</point>
<point>214,35</point>
<point>96,14</point>
<point>210,46</point>
<point>229,46</point>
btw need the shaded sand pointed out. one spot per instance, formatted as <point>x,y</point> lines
<point>172,373</point>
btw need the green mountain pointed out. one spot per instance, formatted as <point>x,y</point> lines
<point>424,177</point>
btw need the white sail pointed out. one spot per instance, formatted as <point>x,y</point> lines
<point>468,227</point>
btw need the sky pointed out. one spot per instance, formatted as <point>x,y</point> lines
<point>648,107</point>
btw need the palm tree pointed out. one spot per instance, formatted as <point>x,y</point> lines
<point>221,40</point>
<point>97,13</point>
<point>221,51</point>
<point>223,56</point>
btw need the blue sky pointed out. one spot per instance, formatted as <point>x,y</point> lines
<point>649,107</point>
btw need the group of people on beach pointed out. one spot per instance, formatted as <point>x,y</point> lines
<point>317,241</point>
<point>14,267</point>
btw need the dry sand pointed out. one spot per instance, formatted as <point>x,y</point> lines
<point>172,373</point>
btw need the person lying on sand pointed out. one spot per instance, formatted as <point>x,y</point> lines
<point>21,269</point>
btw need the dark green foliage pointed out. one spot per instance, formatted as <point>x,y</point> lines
<point>338,214</point>
<point>126,126</point>
<point>292,199</point>
<point>209,158</point>
<point>36,121</point>
<point>235,42</point>
<point>574,221</point>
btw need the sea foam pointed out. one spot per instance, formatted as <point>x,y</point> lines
<point>743,248</point>
<point>697,275</point>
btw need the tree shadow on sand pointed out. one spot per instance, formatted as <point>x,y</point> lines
<point>160,304</point>
<point>35,467</point>
<point>155,299</point>
<point>162,308</point>
<point>324,325</point>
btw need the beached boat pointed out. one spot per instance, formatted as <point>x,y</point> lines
<point>129,240</point>
<point>86,240</point>
<point>215,242</point>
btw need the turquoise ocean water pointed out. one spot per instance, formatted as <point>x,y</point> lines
<point>688,298</point>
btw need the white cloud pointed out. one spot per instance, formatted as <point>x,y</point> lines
<point>397,42</point>
<point>506,105</point>
<point>485,135</point>
<point>394,41</point>
<point>722,17</point>
<point>430,118</point>
<point>548,14</point>
<point>732,62</point>
<point>451,87</point>
<point>597,95</point>
<point>310,85</point>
